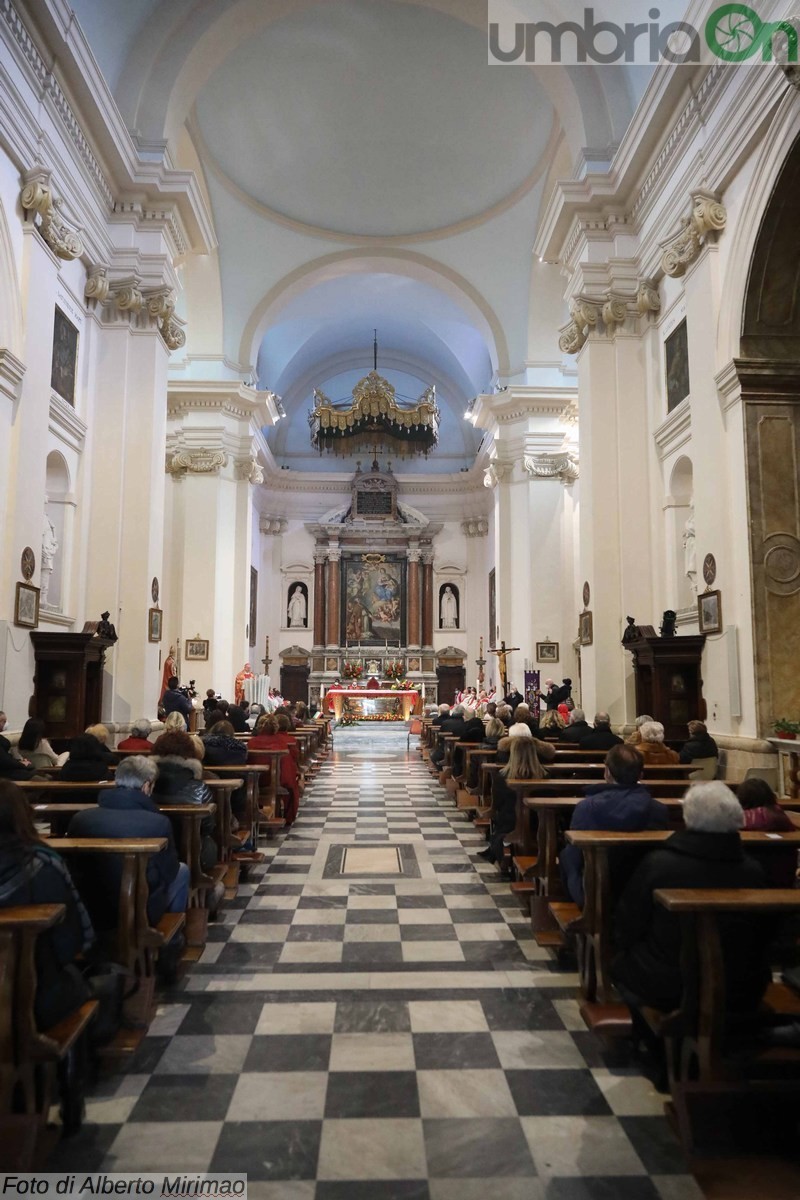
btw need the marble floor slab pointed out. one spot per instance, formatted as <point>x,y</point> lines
<point>371,1019</point>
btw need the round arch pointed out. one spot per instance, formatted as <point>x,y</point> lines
<point>398,262</point>
<point>157,91</point>
<point>10,309</point>
<point>783,132</point>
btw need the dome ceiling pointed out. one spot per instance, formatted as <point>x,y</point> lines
<point>373,120</point>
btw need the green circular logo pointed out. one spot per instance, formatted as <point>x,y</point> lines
<point>734,32</point>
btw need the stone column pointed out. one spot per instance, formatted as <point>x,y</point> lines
<point>427,599</point>
<point>212,470</point>
<point>332,596</point>
<point>413,598</point>
<point>319,597</point>
<point>615,557</point>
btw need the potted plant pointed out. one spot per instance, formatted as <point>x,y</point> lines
<point>786,729</point>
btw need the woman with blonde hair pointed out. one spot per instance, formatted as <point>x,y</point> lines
<point>523,763</point>
<point>550,725</point>
<point>174,722</point>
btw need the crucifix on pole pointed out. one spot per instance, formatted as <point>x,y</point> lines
<point>502,663</point>
<point>480,663</point>
<point>266,660</point>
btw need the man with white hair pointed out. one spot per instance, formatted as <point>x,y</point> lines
<point>128,811</point>
<point>708,853</point>
<point>454,723</point>
<point>577,728</point>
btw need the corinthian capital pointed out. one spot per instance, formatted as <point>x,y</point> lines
<point>196,462</point>
<point>495,473</point>
<point>647,297</point>
<point>172,331</point>
<point>160,302</point>
<point>37,197</point>
<point>249,469</point>
<point>97,285</point>
<point>126,295</point>
<point>563,466</point>
<point>614,312</point>
<point>708,216</point>
<point>571,339</point>
<point>274,526</point>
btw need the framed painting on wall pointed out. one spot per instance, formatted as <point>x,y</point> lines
<point>585,629</point>
<point>676,354</point>
<point>26,606</point>
<point>197,650</point>
<point>154,624</point>
<point>373,607</point>
<point>547,652</point>
<point>65,357</point>
<point>709,612</point>
<point>253,605</point>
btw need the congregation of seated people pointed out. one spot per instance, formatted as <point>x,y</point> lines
<point>147,777</point>
<point>701,850</point>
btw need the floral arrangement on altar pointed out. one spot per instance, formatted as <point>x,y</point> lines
<point>405,685</point>
<point>347,718</point>
<point>394,670</point>
<point>352,670</point>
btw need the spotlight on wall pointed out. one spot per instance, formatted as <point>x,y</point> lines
<point>470,409</point>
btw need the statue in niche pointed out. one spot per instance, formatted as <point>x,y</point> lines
<point>298,608</point>
<point>689,552</point>
<point>448,607</point>
<point>49,551</point>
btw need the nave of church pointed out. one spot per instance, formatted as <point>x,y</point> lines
<point>372,1019</point>
<point>349,372</point>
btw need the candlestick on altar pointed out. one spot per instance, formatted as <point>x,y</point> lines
<point>266,660</point>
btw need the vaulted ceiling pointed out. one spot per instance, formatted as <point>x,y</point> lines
<point>365,167</point>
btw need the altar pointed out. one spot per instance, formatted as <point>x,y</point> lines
<point>372,704</point>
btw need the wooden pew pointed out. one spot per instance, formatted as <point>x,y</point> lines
<point>29,1058</point>
<point>707,1065</point>
<point>222,790</point>
<point>188,819</point>
<point>269,793</point>
<point>594,923</point>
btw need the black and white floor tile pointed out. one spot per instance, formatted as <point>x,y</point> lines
<point>372,1020</point>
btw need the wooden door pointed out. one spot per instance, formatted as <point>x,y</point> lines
<point>294,683</point>
<point>450,681</point>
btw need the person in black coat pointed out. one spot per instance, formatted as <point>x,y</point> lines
<point>601,737</point>
<point>523,763</point>
<point>455,723</point>
<point>127,811</point>
<point>513,698</point>
<point>708,853</point>
<point>577,729</point>
<point>238,718</point>
<point>620,803</point>
<point>175,701</point>
<point>554,696</point>
<point>88,762</point>
<point>13,768</point>
<point>32,873</point>
<point>700,744</point>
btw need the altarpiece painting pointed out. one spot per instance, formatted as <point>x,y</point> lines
<point>373,587</point>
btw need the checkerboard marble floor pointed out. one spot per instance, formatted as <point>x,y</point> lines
<point>381,1036</point>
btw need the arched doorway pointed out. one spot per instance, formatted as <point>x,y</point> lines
<point>769,373</point>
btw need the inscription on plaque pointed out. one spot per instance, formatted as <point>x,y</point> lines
<point>374,504</point>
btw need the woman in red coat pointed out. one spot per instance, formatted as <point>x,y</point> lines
<point>267,736</point>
